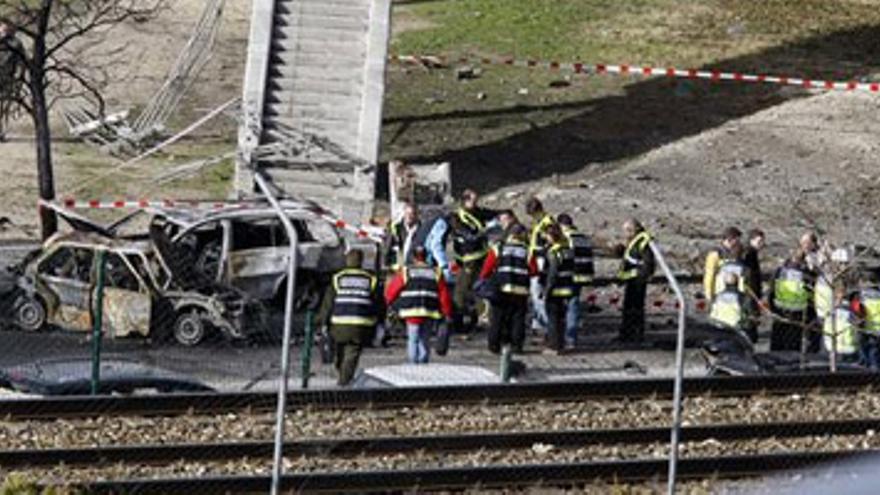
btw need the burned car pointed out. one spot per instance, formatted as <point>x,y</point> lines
<point>246,246</point>
<point>56,286</point>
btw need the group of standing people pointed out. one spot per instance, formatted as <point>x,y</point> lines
<point>816,303</point>
<point>523,277</point>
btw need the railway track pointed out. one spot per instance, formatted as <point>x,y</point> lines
<point>220,451</point>
<point>178,404</point>
<point>452,462</point>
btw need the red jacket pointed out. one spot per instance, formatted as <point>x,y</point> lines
<point>397,284</point>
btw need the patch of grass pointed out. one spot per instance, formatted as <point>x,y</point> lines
<point>430,113</point>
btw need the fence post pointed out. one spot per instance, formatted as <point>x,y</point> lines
<point>293,238</point>
<point>679,368</point>
<point>306,365</point>
<point>98,322</point>
<point>505,363</point>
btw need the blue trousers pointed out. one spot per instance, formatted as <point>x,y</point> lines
<point>869,350</point>
<point>417,349</point>
<point>573,318</point>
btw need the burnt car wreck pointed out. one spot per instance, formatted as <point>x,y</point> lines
<point>247,247</point>
<point>179,273</point>
<point>142,296</point>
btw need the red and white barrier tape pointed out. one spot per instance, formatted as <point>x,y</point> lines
<point>643,71</point>
<point>363,232</point>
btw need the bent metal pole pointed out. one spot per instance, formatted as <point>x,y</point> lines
<point>278,458</point>
<point>679,368</point>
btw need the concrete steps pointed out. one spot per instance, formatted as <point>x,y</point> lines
<point>321,78</point>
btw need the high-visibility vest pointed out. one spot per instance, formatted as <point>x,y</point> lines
<point>355,298</point>
<point>582,248</point>
<point>512,273</point>
<point>728,266</point>
<point>469,245</point>
<point>537,243</point>
<point>790,291</point>
<point>842,327</point>
<point>420,297</point>
<point>823,298</point>
<point>870,299</point>
<point>727,308</point>
<point>564,285</point>
<point>633,257</point>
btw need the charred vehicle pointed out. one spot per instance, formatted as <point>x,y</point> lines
<point>247,247</point>
<point>56,286</point>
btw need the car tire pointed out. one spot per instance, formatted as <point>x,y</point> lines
<point>30,314</point>
<point>189,328</point>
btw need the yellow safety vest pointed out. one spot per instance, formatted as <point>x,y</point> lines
<point>846,334</point>
<point>473,253</point>
<point>870,299</point>
<point>727,309</point>
<point>823,298</point>
<point>790,291</point>
<point>630,265</point>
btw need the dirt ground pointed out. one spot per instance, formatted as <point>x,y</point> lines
<point>688,158</point>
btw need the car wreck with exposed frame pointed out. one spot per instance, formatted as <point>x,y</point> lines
<point>245,245</point>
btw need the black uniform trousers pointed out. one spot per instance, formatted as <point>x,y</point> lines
<point>349,341</point>
<point>557,307</point>
<point>508,323</point>
<point>786,336</point>
<point>632,328</point>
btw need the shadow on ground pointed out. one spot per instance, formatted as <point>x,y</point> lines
<point>650,114</point>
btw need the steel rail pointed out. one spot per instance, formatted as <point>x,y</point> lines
<point>425,480</point>
<point>166,453</point>
<point>202,403</point>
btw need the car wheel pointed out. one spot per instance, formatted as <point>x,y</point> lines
<point>189,329</point>
<point>30,314</point>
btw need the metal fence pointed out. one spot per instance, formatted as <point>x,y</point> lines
<point>202,382</point>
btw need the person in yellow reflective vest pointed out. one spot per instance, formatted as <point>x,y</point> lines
<point>867,307</point>
<point>729,306</point>
<point>637,267</point>
<point>791,299</point>
<point>541,222</point>
<point>731,240</point>
<point>470,246</point>
<point>558,286</point>
<point>351,308</point>
<point>840,331</point>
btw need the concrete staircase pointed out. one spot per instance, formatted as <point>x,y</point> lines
<point>313,92</point>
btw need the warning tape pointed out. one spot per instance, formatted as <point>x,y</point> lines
<point>363,232</point>
<point>642,71</point>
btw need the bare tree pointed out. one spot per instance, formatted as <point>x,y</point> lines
<point>46,44</point>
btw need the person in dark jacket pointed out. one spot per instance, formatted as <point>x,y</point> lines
<point>557,286</point>
<point>470,245</point>
<point>752,261</point>
<point>351,309</point>
<point>507,267</point>
<point>791,300</point>
<point>637,267</point>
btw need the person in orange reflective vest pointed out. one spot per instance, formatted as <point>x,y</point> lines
<point>423,302</point>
